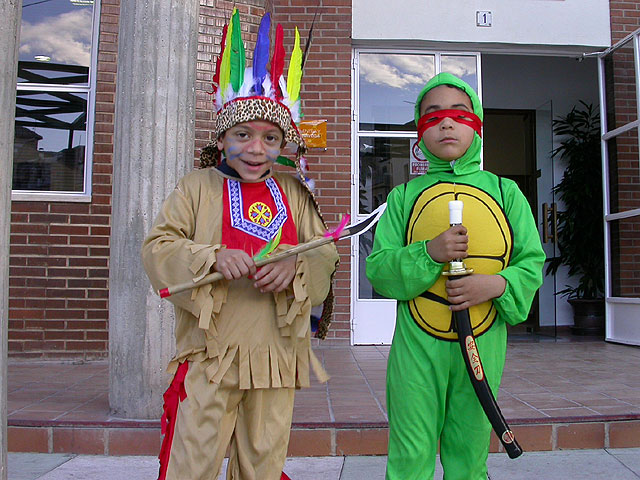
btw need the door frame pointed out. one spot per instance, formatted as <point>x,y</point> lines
<point>621,313</point>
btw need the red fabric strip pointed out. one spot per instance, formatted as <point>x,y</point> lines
<point>432,119</point>
<point>175,394</point>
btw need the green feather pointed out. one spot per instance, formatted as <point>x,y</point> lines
<point>269,247</point>
<point>238,58</point>
<point>286,162</point>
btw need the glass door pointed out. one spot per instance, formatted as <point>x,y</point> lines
<point>386,85</point>
<point>547,218</point>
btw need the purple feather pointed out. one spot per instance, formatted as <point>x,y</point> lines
<point>261,53</point>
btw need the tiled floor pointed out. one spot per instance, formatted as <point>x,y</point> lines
<point>544,382</point>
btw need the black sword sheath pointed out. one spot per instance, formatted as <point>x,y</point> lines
<point>479,381</point>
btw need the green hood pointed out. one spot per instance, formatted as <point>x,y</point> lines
<point>470,161</point>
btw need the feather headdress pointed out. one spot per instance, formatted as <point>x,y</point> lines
<point>258,92</point>
<point>232,82</point>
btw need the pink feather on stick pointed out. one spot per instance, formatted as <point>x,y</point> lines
<point>335,233</point>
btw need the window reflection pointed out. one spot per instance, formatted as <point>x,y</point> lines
<point>50,144</point>
<point>50,141</point>
<point>57,33</point>
<point>52,73</point>
<point>462,66</point>
<point>384,163</point>
<point>388,87</point>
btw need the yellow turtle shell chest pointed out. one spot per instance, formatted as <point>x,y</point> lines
<point>489,251</point>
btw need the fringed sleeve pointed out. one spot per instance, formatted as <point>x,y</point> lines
<point>170,256</point>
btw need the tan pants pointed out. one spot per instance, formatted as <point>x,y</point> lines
<point>256,422</point>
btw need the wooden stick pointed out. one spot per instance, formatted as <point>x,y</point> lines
<point>214,277</point>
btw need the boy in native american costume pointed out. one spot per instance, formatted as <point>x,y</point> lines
<point>243,343</point>
<point>429,394</point>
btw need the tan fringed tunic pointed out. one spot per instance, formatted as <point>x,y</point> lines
<point>269,332</point>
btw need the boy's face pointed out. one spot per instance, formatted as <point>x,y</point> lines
<point>447,140</point>
<point>252,147</point>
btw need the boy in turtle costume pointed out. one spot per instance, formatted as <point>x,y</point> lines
<point>429,395</point>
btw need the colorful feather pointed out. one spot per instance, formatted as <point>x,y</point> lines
<point>216,76</point>
<point>335,233</point>
<point>294,74</point>
<point>286,161</point>
<point>261,53</point>
<point>308,44</point>
<point>267,88</point>
<point>269,247</point>
<point>277,61</point>
<point>225,68</point>
<point>247,85</point>
<point>238,58</point>
<point>294,107</point>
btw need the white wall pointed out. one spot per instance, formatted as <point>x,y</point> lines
<point>530,22</point>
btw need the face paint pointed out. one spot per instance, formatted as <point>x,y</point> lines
<point>432,119</point>
<point>251,148</point>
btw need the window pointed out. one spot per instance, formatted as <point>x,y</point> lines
<point>386,87</point>
<point>54,100</point>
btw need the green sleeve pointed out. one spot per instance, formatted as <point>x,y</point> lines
<point>524,272</point>
<point>396,270</point>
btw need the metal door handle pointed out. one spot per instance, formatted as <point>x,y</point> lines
<point>549,223</point>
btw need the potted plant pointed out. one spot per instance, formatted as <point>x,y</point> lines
<point>580,231</point>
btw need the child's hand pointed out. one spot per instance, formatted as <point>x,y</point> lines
<point>449,245</point>
<point>464,292</point>
<point>275,277</point>
<point>234,264</point>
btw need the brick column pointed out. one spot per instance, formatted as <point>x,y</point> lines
<point>153,148</point>
<point>326,94</point>
<point>10,15</point>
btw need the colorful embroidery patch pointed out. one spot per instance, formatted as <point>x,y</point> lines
<point>260,213</point>
<point>256,224</point>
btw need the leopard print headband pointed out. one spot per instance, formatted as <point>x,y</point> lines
<point>246,109</point>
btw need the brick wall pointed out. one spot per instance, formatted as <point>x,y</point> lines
<point>326,94</point>
<point>59,253</point>
<point>623,152</point>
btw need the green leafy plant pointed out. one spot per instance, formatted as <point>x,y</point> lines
<point>580,224</point>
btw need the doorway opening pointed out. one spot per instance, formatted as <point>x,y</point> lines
<point>509,140</point>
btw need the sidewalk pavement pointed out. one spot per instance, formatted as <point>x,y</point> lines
<point>614,464</point>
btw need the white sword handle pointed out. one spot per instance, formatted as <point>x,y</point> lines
<point>455,212</point>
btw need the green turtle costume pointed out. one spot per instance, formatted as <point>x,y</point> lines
<point>429,396</point>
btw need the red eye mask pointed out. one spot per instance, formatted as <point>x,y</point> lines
<point>432,119</point>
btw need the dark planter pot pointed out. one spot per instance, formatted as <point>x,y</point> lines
<point>588,316</point>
